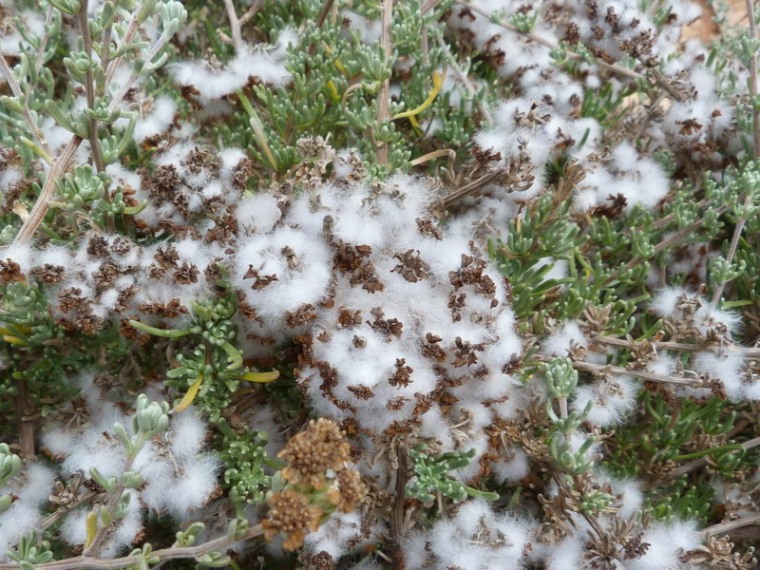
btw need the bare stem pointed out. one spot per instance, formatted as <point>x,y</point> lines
<point>678,346</point>
<point>26,423</point>
<point>465,80</point>
<point>702,461</point>
<point>48,189</point>
<point>609,369</point>
<point>16,90</point>
<point>172,553</point>
<point>732,250</point>
<point>93,549</point>
<point>237,37</point>
<point>725,527</point>
<point>383,112</point>
<point>397,517</point>
<point>89,87</point>
<point>753,78</point>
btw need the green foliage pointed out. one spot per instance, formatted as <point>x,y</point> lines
<point>432,476</point>
<point>248,473</point>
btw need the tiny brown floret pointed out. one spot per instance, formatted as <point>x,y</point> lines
<point>291,515</point>
<point>313,451</point>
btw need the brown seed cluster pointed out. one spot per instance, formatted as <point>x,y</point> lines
<point>319,481</point>
<point>314,451</point>
<point>291,514</point>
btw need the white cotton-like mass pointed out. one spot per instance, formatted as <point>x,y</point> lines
<point>727,366</point>
<point>611,400</point>
<point>30,490</point>
<point>157,121</point>
<point>337,535</point>
<point>187,434</point>
<point>631,497</point>
<point>267,66</point>
<point>21,253</point>
<point>665,302</point>
<point>561,341</point>
<point>666,543</point>
<point>282,272</point>
<point>564,554</point>
<point>511,469</point>
<point>709,318</point>
<point>193,487</point>
<point>258,214</point>
<point>476,538</point>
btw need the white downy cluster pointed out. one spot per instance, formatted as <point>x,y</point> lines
<point>553,111</point>
<point>722,361</point>
<point>178,477</point>
<point>473,538</point>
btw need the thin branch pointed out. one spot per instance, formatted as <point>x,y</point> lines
<point>89,87</point>
<point>134,24</point>
<point>702,461</point>
<point>397,515</point>
<point>753,89</point>
<point>738,229</point>
<point>725,527</point>
<point>16,90</point>
<point>48,189</point>
<point>610,369</point>
<point>465,80</point>
<point>62,163</point>
<point>251,12</point>
<point>326,9</point>
<point>749,352</point>
<point>62,511</point>
<point>471,187</point>
<point>172,553</point>
<point>26,423</point>
<point>237,37</point>
<point>383,112</point>
<point>428,5</point>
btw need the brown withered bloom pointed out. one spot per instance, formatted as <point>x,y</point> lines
<point>291,514</point>
<point>349,492</point>
<point>313,451</point>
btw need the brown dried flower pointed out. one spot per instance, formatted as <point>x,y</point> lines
<point>350,491</point>
<point>313,451</point>
<point>292,515</point>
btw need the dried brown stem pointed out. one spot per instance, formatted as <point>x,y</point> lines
<point>702,461</point>
<point>62,511</point>
<point>609,369</point>
<point>383,111</point>
<point>237,36</point>
<point>678,346</point>
<point>471,187</point>
<point>725,527</point>
<point>25,420</point>
<point>465,80</point>
<point>172,553</point>
<point>738,229</point>
<point>397,516</point>
<point>6,72</point>
<point>42,204</point>
<point>89,88</point>
<point>753,90</point>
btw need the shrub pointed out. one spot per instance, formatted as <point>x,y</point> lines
<point>354,284</point>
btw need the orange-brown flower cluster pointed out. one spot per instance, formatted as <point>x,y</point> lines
<point>314,451</point>
<point>350,491</point>
<point>291,514</point>
<point>309,496</point>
